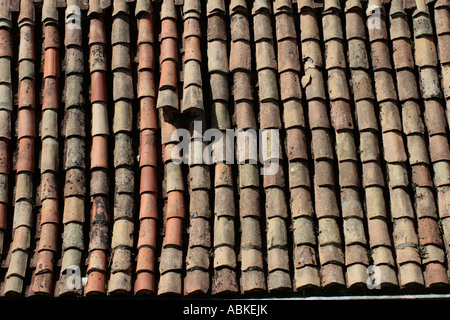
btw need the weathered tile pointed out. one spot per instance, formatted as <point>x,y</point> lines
<point>429,83</point>
<point>301,203</point>
<point>326,203</point>
<point>303,231</point>
<point>407,87</point>
<point>328,233</point>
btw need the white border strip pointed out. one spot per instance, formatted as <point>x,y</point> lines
<point>380,297</point>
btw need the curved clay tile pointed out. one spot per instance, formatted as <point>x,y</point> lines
<point>120,8</point>
<point>270,120</point>
<point>252,267</point>
<point>356,259</point>
<point>26,15</point>
<point>6,107</point>
<point>49,12</point>
<point>306,272</point>
<point>144,7</point>
<point>413,127</point>
<point>123,227</point>
<point>224,256</point>
<point>42,281</point>
<point>94,7</point>
<point>99,241</point>
<point>330,244</point>
<point>405,236</point>
<point>23,210</point>
<point>5,15</point>
<point>192,100</point>
<point>171,259</point>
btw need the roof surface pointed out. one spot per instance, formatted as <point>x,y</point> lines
<point>350,100</point>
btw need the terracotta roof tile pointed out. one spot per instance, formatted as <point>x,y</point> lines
<point>5,43</point>
<point>167,99</point>
<point>443,49</point>
<point>441,175</point>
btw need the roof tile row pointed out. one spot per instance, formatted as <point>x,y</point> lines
<point>405,238</point>
<point>331,254</point>
<point>99,186</point>
<point>197,279</point>
<point>440,168</point>
<point>370,153</point>
<point>306,274</point>
<point>49,215</point>
<point>171,255</point>
<point>270,120</point>
<point>414,130</point>
<point>354,235</point>
<point>123,227</point>
<point>224,239</point>
<point>240,64</point>
<point>6,108</point>
<point>25,156</point>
